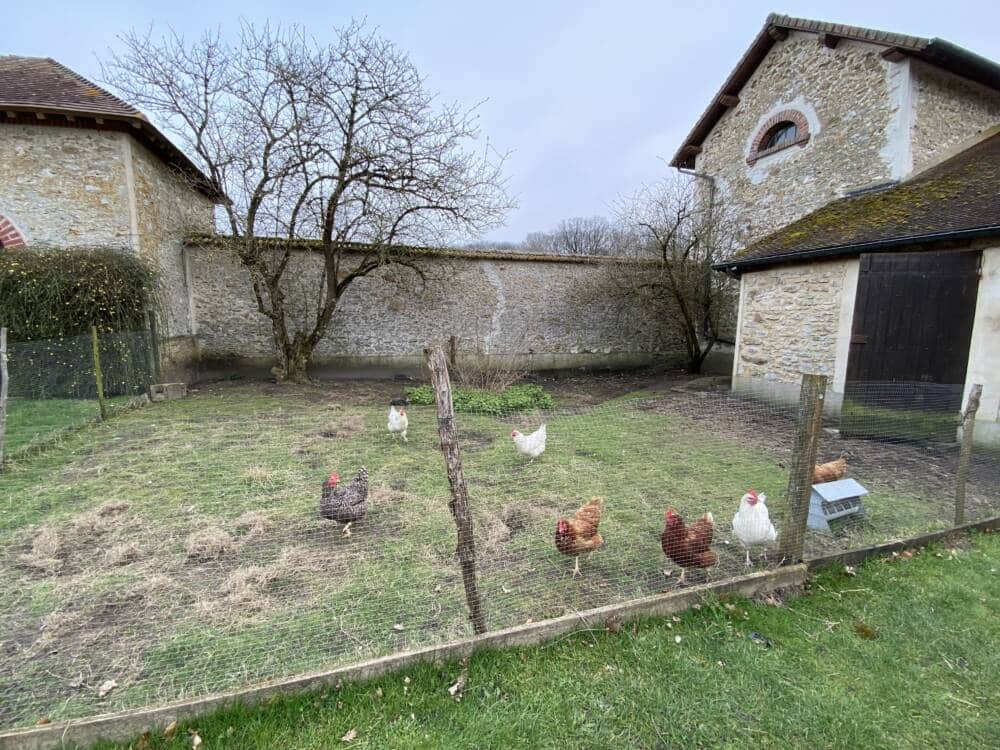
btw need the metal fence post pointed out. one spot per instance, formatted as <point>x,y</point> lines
<point>98,373</point>
<point>965,453</point>
<point>459,504</point>
<point>808,424</point>
<point>3,392</point>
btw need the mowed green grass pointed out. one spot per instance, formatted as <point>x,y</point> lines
<point>925,673</point>
<point>95,535</point>
<point>30,420</point>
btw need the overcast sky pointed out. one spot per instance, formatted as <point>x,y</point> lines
<point>590,97</point>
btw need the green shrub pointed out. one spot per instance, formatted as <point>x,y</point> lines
<point>49,299</point>
<point>50,294</point>
<point>477,401</point>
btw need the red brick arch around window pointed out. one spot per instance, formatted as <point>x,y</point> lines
<point>786,115</point>
<point>10,235</point>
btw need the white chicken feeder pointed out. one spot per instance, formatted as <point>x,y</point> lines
<point>831,500</point>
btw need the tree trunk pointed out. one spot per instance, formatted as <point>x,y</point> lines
<point>297,355</point>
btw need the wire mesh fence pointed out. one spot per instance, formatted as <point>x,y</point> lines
<point>179,550</point>
<point>52,383</point>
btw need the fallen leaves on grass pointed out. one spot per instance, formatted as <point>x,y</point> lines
<point>455,690</point>
<point>170,730</point>
<point>350,736</point>
<point>865,631</point>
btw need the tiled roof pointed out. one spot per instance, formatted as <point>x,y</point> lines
<point>32,88</point>
<point>959,197</point>
<point>42,83</point>
<point>938,52</point>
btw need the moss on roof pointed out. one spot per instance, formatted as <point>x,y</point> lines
<point>961,193</point>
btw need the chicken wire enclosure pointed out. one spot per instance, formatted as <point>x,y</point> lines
<point>179,550</point>
<point>52,385</point>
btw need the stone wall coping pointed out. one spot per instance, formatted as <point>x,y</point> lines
<point>220,241</point>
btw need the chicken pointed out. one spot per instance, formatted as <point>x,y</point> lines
<point>345,504</point>
<point>688,547</point>
<point>752,523</point>
<point>831,471</point>
<point>398,421</point>
<point>578,534</point>
<point>532,445</point>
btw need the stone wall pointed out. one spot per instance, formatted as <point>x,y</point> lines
<point>869,121</point>
<point>65,186</point>
<point>844,95</point>
<point>948,111</point>
<point>543,314</point>
<point>792,320</point>
<point>167,209</point>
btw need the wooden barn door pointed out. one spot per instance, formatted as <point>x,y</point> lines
<point>913,321</point>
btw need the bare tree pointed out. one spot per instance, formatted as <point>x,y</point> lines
<point>674,236</point>
<point>593,235</point>
<point>339,143</point>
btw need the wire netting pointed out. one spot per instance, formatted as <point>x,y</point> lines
<point>177,550</point>
<point>53,388</point>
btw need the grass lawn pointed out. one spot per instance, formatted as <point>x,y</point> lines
<point>29,420</point>
<point>176,549</point>
<point>901,655</point>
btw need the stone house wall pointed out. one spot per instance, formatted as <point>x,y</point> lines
<point>794,319</point>
<point>79,187</point>
<point>843,94</point>
<point>947,110</point>
<point>65,186</point>
<point>168,209</point>
<point>541,314</point>
<point>869,121</point>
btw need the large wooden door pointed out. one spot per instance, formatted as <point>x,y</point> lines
<point>910,345</point>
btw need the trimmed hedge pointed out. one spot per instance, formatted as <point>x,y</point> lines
<point>477,401</point>
<point>48,294</point>
<point>49,299</point>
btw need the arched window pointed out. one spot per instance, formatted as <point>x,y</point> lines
<point>782,130</point>
<point>782,134</point>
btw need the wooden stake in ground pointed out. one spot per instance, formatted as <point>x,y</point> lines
<point>98,373</point>
<point>459,504</point>
<point>154,349</point>
<point>809,421</point>
<point>3,392</point>
<point>965,454</point>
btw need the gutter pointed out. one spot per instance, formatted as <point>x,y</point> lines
<point>736,267</point>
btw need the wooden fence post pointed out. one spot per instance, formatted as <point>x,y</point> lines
<point>459,504</point>
<point>154,349</point>
<point>3,393</point>
<point>965,453</point>
<point>809,422</point>
<point>98,373</point>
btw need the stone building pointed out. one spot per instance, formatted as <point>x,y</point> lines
<point>864,169</point>
<point>81,168</point>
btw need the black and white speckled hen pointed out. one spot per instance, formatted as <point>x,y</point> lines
<point>345,504</point>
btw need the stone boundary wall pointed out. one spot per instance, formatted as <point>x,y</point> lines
<point>538,312</point>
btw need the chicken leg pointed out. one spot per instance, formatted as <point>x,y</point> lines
<point>681,579</point>
<point>576,566</point>
<point>346,531</point>
<point>748,564</point>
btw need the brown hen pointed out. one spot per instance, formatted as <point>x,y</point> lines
<point>830,471</point>
<point>578,534</point>
<point>688,546</point>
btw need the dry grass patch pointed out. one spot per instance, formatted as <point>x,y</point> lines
<point>47,551</point>
<point>122,554</point>
<point>343,426</point>
<point>252,525</point>
<point>209,544</point>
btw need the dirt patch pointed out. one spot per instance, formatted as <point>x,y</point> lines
<point>476,441</point>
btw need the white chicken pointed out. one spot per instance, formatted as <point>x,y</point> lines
<point>398,421</point>
<point>752,523</point>
<point>532,445</point>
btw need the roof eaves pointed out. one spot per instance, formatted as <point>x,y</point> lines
<point>738,265</point>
